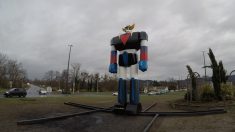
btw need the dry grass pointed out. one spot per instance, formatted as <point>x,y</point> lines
<point>15,109</point>
<point>207,123</point>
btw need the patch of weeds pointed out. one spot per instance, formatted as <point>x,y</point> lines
<point>28,99</point>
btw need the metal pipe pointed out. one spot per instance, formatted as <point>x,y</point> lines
<point>41,120</point>
<point>146,129</point>
<point>193,113</point>
<point>85,106</point>
<point>146,109</point>
<point>148,126</point>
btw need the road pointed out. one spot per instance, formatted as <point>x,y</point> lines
<point>33,91</point>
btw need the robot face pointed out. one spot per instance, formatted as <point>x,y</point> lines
<point>128,31</point>
<point>128,28</point>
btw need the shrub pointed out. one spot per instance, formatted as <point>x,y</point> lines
<point>233,91</point>
<point>207,93</point>
<point>187,96</point>
<point>227,91</point>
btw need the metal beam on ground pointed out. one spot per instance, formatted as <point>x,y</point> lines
<point>152,105</point>
<point>146,129</point>
<point>148,126</point>
<point>194,113</point>
<point>41,120</point>
<point>84,106</point>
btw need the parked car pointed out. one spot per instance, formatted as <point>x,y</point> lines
<point>20,92</point>
<point>115,93</point>
<point>42,92</point>
<point>60,90</point>
<point>154,93</point>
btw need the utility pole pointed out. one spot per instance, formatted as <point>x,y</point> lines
<point>67,78</point>
<point>204,62</point>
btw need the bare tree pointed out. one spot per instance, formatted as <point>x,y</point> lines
<point>108,83</point>
<point>105,77</point>
<point>3,70</point>
<point>63,79</point>
<point>57,78</point>
<point>3,61</point>
<point>84,77</point>
<point>49,76</point>
<point>15,72</point>
<point>97,78</point>
<point>90,82</point>
<point>76,75</point>
<point>57,75</point>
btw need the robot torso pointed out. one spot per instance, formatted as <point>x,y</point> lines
<point>128,44</point>
<point>129,40</point>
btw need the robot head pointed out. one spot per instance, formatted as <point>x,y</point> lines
<point>128,28</point>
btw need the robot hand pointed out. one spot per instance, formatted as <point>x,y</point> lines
<point>143,65</point>
<point>113,68</point>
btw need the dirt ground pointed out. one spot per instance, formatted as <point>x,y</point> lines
<point>97,122</point>
<point>13,110</point>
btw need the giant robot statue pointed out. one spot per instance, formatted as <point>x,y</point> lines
<point>127,45</point>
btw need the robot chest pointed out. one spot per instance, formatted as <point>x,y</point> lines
<point>121,46</point>
<point>127,42</point>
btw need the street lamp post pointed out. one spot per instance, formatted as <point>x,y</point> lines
<point>67,78</point>
<point>204,62</point>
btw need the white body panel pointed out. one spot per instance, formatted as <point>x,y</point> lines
<point>128,72</point>
<point>132,71</point>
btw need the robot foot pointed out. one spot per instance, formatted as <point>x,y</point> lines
<point>119,109</point>
<point>132,109</point>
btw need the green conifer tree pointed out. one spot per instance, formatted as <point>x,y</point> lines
<point>216,75</point>
<point>193,82</point>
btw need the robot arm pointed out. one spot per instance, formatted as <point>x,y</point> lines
<point>143,66</point>
<point>113,60</point>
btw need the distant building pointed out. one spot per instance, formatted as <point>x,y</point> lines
<point>49,89</point>
<point>160,89</point>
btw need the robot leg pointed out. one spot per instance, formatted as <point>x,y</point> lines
<point>134,91</point>
<point>134,85</point>
<point>120,107</point>
<point>122,92</point>
<point>135,106</point>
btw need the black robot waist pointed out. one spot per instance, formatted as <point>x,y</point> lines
<point>128,45</point>
<point>127,59</point>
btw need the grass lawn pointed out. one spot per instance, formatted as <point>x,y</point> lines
<point>15,109</point>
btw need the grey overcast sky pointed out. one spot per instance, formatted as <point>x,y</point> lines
<point>37,33</point>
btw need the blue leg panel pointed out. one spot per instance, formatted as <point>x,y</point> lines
<point>135,91</point>
<point>122,93</point>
